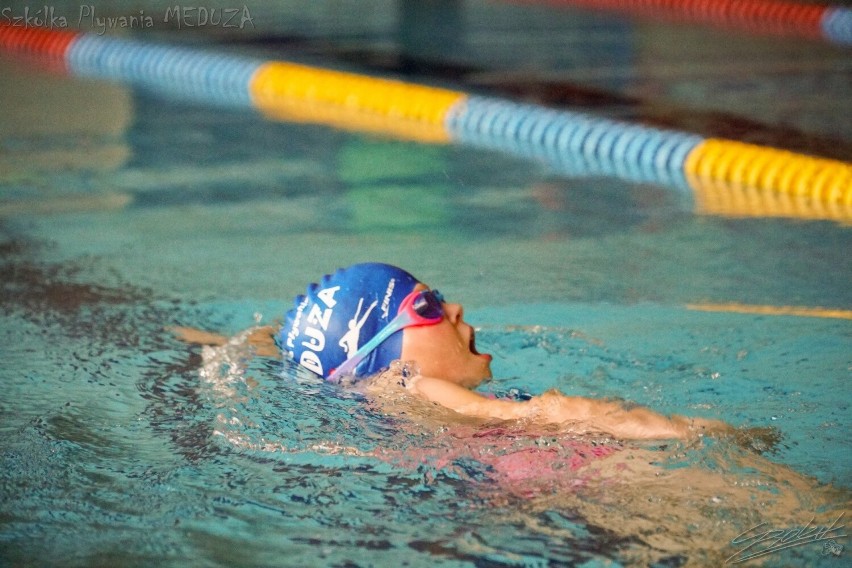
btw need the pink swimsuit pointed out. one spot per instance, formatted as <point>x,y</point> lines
<point>542,461</point>
<point>522,462</point>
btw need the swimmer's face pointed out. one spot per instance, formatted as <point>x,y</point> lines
<point>446,350</point>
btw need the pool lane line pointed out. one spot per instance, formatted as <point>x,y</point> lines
<point>574,142</point>
<point>756,309</point>
<point>831,23</point>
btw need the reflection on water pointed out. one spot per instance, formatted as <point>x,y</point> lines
<point>87,136</point>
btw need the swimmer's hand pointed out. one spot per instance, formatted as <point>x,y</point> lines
<point>261,338</point>
<point>583,414</point>
<point>197,336</point>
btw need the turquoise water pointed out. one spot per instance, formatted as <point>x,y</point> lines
<point>128,213</point>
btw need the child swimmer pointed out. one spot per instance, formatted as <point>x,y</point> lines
<point>354,323</point>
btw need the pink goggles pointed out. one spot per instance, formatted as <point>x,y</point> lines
<point>422,307</point>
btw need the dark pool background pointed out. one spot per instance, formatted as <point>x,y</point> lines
<point>123,213</point>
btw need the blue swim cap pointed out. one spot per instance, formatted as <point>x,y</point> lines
<point>341,313</point>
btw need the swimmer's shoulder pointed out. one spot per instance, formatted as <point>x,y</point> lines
<point>462,400</point>
<point>262,338</point>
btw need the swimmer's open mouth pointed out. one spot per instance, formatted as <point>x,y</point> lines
<point>473,349</point>
<point>473,342</point>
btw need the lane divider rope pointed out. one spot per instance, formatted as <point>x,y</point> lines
<point>571,142</point>
<point>832,23</point>
<point>574,140</point>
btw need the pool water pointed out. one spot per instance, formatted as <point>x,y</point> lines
<point>125,212</point>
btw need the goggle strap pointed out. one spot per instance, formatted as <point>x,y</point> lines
<point>347,367</point>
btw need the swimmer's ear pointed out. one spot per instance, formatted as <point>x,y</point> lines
<point>197,336</point>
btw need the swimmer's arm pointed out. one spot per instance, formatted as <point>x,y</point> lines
<point>637,423</point>
<point>198,337</point>
<point>553,407</point>
<point>465,401</point>
<point>261,338</point>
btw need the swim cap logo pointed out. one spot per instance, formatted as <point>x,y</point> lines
<point>386,301</point>
<point>351,338</point>
<point>317,324</point>
<point>294,329</point>
<point>343,312</point>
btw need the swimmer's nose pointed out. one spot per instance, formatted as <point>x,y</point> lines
<point>453,312</point>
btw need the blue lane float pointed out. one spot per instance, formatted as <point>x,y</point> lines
<point>574,143</point>
<point>188,73</point>
<point>837,25</point>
